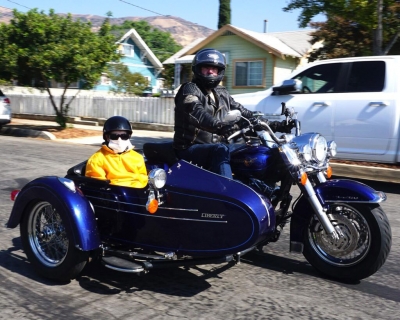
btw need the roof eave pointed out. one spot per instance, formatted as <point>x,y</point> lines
<point>231,28</point>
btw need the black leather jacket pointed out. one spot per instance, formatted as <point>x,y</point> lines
<point>198,116</point>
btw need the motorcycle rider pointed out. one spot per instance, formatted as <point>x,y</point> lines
<point>116,161</point>
<point>200,107</point>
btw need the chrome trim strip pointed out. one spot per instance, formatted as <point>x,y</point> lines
<point>354,201</point>
<point>162,217</point>
<point>141,205</point>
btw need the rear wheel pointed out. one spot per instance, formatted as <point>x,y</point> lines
<point>48,243</point>
<point>362,249</point>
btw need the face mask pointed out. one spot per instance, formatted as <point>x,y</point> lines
<point>119,146</point>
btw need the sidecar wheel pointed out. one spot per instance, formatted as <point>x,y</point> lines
<point>48,244</point>
<point>360,253</point>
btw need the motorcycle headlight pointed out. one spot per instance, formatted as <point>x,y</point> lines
<point>332,148</point>
<point>157,178</point>
<point>319,148</point>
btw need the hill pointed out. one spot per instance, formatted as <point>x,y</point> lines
<point>183,31</point>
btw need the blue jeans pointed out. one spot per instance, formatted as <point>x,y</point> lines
<point>212,157</point>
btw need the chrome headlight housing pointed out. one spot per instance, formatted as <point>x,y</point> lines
<point>312,147</point>
<point>306,152</point>
<point>157,178</point>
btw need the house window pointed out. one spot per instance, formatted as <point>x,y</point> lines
<point>249,73</point>
<point>126,49</point>
<point>105,80</point>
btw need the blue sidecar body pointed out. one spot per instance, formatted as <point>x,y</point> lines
<point>201,213</point>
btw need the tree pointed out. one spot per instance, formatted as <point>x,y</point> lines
<point>369,15</point>
<point>224,16</point>
<point>125,81</point>
<point>160,42</point>
<point>36,48</point>
<point>341,38</point>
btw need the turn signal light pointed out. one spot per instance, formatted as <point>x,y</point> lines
<point>303,178</point>
<point>152,206</point>
<point>329,172</point>
<point>14,194</point>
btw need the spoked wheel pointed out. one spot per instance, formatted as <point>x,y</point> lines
<point>48,244</point>
<point>363,246</point>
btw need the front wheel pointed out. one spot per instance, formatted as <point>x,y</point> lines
<point>48,242</point>
<point>361,250</point>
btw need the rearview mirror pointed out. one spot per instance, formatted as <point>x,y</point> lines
<point>288,86</point>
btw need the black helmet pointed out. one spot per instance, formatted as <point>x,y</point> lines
<point>209,57</point>
<point>116,123</point>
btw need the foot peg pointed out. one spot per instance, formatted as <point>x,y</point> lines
<point>122,265</point>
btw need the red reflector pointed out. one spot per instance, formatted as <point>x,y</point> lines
<point>6,100</point>
<point>14,194</point>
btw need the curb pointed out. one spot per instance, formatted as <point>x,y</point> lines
<point>18,132</point>
<point>366,172</point>
<point>96,122</point>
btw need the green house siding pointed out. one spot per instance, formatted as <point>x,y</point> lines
<point>238,48</point>
<point>283,69</point>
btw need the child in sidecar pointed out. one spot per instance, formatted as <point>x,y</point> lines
<point>116,161</point>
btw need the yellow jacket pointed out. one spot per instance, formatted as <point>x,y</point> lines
<point>125,169</point>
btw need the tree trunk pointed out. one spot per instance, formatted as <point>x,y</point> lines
<point>377,43</point>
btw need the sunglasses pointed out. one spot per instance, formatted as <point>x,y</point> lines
<point>123,136</point>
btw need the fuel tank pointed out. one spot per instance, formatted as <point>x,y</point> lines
<point>255,161</point>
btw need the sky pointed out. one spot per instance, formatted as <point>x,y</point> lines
<point>247,14</point>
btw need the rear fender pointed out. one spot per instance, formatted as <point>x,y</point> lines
<point>80,215</point>
<point>331,191</point>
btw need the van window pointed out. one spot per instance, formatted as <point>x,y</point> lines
<point>366,76</point>
<point>320,79</point>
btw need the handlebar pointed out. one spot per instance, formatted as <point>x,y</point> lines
<point>290,115</point>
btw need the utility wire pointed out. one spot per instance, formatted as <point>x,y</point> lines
<point>18,4</point>
<point>142,8</point>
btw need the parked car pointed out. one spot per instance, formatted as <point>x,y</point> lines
<point>5,109</point>
<point>354,101</point>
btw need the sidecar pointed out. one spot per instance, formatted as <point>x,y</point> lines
<point>185,216</point>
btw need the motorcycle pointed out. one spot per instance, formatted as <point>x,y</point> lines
<point>189,216</point>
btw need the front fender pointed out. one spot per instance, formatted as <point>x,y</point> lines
<point>347,191</point>
<point>331,191</point>
<point>79,212</point>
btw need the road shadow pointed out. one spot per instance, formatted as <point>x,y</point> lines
<point>182,282</point>
<point>175,281</point>
<point>14,260</point>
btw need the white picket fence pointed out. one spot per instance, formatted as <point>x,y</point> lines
<point>136,109</point>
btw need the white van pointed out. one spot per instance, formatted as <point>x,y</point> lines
<point>354,101</point>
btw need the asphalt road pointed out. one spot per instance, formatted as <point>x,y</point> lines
<point>272,285</point>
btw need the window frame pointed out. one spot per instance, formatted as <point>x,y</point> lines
<point>263,72</point>
<point>122,49</point>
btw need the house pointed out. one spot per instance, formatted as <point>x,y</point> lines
<point>138,57</point>
<point>255,61</point>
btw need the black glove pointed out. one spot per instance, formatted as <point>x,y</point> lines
<point>227,130</point>
<point>282,126</point>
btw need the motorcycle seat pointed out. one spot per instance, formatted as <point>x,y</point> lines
<point>160,152</point>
